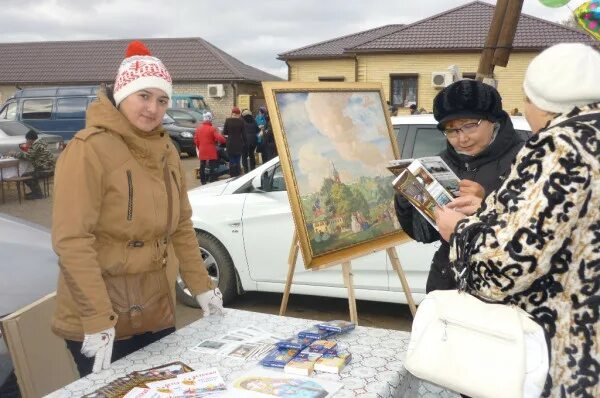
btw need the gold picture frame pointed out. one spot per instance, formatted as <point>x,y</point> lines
<point>334,142</point>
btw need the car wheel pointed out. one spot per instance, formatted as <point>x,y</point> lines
<point>192,153</point>
<point>220,268</point>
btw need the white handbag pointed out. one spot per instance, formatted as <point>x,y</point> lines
<point>475,348</point>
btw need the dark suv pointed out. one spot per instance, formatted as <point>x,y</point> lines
<point>182,137</point>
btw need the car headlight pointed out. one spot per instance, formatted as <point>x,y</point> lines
<point>187,134</point>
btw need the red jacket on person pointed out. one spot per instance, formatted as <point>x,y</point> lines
<point>206,138</point>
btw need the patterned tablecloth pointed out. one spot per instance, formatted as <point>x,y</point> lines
<point>376,369</point>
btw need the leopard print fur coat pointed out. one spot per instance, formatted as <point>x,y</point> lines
<point>535,243</point>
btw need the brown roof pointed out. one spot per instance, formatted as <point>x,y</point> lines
<point>461,28</point>
<point>335,47</point>
<point>187,59</point>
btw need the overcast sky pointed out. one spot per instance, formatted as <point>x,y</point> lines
<point>254,34</point>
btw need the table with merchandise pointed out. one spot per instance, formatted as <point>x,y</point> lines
<point>231,348</point>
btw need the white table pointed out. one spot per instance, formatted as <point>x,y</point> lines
<point>8,167</point>
<point>376,369</point>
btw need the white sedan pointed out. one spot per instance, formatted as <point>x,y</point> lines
<point>244,228</point>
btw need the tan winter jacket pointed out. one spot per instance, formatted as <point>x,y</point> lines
<point>109,196</point>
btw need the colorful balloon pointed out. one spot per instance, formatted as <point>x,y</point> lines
<point>588,17</point>
<point>554,3</point>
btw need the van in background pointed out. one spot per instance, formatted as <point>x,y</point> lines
<point>52,110</point>
<point>61,111</point>
<point>193,102</point>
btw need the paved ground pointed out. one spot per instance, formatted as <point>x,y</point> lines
<point>392,316</point>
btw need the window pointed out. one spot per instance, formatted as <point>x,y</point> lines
<point>332,78</point>
<point>429,141</point>
<point>198,103</point>
<point>9,112</point>
<point>403,90</point>
<point>278,182</point>
<point>401,132</point>
<point>37,109</point>
<point>182,117</point>
<point>272,180</point>
<point>71,108</point>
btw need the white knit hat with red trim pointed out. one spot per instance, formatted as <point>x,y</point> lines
<point>140,70</point>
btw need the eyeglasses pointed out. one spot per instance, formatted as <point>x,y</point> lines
<point>468,128</point>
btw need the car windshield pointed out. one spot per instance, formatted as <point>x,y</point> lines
<point>15,128</point>
<point>198,103</point>
<point>168,119</point>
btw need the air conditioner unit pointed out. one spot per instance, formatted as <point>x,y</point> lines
<point>441,79</point>
<point>216,90</point>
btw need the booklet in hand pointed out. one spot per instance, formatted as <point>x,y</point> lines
<point>426,183</point>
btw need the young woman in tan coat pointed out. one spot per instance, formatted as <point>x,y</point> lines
<point>121,223</point>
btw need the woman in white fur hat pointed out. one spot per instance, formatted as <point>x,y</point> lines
<point>536,241</point>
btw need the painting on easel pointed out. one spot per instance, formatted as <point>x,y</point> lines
<point>335,141</point>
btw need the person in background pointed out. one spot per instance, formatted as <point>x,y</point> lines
<point>261,118</point>
<point>206,139</point>
<point>515,112</point>
<point>413,109</point>
<point>41,160</point>
<point>535,243</point>
<point>121,222</point>
<point>270,148</point>
<point>233,129</point>
<point>481,144</point>
<point>251,131</point>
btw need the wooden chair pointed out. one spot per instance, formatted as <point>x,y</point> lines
<point>20,182</point>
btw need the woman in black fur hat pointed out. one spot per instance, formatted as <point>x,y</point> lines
<point>481,145</point>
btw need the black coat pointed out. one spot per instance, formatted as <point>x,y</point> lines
<point>489,168</point>
<point>236,139</point>
<point>251,131</point>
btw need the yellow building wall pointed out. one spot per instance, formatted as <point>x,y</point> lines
<point>378,67</point>
<point>311,70</point>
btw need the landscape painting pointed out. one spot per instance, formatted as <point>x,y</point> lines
<point>335,144</point>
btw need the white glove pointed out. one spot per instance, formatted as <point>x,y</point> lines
<point>100,346</point>
<point>211,300</point>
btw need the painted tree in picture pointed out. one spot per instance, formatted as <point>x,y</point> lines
<point>339,147</point>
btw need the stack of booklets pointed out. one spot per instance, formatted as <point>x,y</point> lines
<point>336,326</point>
<point>249,343</point>
<point>300,355</point>
<point>426,183</point>
<point>333,362</point>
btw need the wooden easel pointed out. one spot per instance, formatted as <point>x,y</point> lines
<point>348,279</point>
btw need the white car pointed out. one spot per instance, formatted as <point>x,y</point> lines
<point>244,227</point>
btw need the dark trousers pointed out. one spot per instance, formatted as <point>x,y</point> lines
<point>234,165</point>
<point>121,349</point>
<point>207,171</point>
<point>34,183</point>
<point>248,159</point>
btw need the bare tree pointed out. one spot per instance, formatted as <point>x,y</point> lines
<point>571,22</point>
